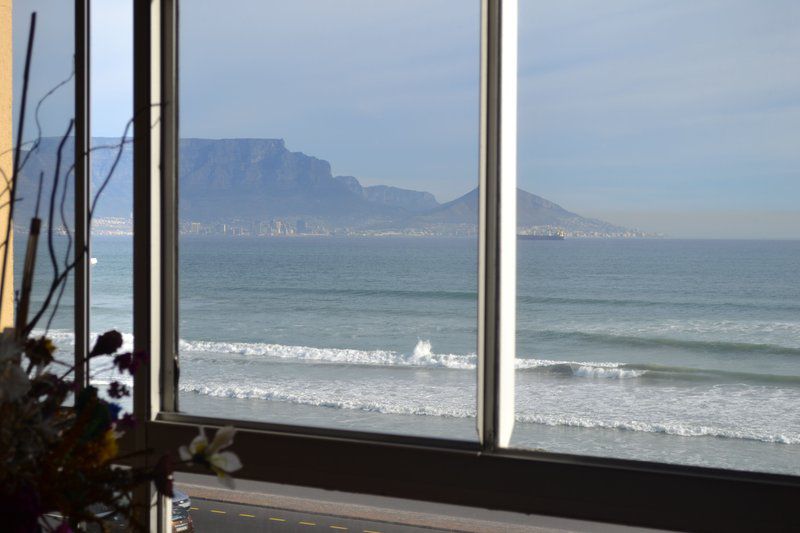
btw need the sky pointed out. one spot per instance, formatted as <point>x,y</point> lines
<point>680,116</point>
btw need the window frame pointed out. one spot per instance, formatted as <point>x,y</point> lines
<point>482,474</point>
<point>83,202</point>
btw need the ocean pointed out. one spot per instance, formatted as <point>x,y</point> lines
<point>678,351</point>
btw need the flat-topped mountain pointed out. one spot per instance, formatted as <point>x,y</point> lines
<point>260,179</point>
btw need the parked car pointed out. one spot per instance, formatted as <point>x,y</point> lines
<point>180,499</point>
<point>181,521</point>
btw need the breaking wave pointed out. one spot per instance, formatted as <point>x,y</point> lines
<point>423,356</point>
<point>446,407</point>
<point>320,396</point>
<point>678,429</point>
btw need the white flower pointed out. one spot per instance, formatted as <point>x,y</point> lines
<point>201,452</point>
<point>14,382</point>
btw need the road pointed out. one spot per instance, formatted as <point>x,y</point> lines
<point>212,516</point>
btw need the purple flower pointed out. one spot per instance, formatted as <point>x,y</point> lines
<point>129,361</point>
<point>107,343</point>
<point>118,390</point>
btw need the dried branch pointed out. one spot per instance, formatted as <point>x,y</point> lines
<point>34,144</point>
<point>16,164</point>
<point>53,192</point>
<point>60,277</point>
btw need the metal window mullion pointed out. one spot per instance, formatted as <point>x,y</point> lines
<point>169,206</point>
<point>147,244</point>
<point>82,190</point>
<point>497,223</point>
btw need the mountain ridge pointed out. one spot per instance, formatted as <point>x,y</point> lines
<point>260,179</point>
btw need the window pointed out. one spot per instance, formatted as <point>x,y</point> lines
<point>437,469</point>
<point>664,326</point>
<point>328,174</point>
<point>47,144</point>
<point>111,164</point>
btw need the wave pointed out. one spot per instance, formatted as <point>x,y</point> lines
<point>412,294</point>
<point>315,397</point>
<point>653,372</point>
<point>677,429</point>
<point>403,405</point>
<point>724,347</point>
<point>581,369</point>
<point>64,339</point>
<point>633,302</point>
<point>656,371</point>
<point>424,357</point>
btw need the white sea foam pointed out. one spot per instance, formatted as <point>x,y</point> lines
<point>395,401</point>
<point>678,429</point>
<point>331,397</point>
<point>423,348</point>
<point>421,356</point>
<point>587,371</point>
<point>66,339</point>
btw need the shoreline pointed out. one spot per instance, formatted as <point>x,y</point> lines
<point>702,451</point>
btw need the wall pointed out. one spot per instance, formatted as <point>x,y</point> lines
<point>7,303</point>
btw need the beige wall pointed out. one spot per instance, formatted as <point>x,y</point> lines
<point>6,306</point>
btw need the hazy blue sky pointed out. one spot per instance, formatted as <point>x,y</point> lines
<point>673,116</point>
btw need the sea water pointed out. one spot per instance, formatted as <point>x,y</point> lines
<point>660,350</point>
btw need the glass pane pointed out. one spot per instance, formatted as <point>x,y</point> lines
<point>328,212</point>
<point>111,299</point>
<point>43,132</point>
<point>664,326</point>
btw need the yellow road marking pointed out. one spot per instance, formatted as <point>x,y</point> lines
<point>371,531</point>
<point>247,515</point>
<point>338,527</point>
<point>277,519</point>
<point>218,512</point>
<point>307,523</point>
<point>194,508</point>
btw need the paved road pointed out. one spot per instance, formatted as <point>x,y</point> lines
<point>212,516</point>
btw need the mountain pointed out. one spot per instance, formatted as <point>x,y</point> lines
<point>532,211</point>
<point>239,178</point>
<point>260,178</point>
<point>413,201</point>
<point>252,180</point>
